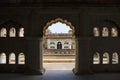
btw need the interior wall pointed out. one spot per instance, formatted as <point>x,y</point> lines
<point>33,19</point>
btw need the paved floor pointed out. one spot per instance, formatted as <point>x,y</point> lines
<point>53,72</point>
<point>59,66</point>
<point>61,75</point>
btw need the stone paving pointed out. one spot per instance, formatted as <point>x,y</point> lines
<point>60,71</point>
<point>59,66</point>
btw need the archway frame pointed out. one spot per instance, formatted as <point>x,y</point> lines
<point>59,20</point>
<point>64,21</point>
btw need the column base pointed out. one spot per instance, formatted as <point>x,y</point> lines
<point>82,72</point>
<point>75,71</point>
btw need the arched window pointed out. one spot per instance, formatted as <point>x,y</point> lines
<point>115,58</point>
<point>105,32</point>
<point>12,58</point>
<point>2,58</point>
<point>66,42</point>
<point>52,43</point>
<point>59,45</point>
<point>3,32</point>
<point>96,32</point>
<point>12,32</point>
<point>105,58</point>
<point>114,32</point>
<point>21,58</point>
<point>96,58</point>
<point>21,32</point>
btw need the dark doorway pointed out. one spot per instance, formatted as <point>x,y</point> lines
<point>59,45</point>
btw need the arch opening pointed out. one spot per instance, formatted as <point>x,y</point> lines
<point>21,58</point>
<point>105,32</point>
<point>114,32</point>
<point>59,46</point>
<point>3,32</point>
<point>115,58</point>
<point>12,32</point>
<point>12,59</point>
<point>2,58</point>
<point>105,58</point>
<point>21,32</point>
<point>96,58</point>
<point>96,32</point>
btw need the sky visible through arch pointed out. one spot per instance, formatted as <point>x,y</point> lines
<point>59,28</point>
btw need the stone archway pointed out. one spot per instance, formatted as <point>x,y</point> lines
<point>64,22</point>
<point>59,20</point>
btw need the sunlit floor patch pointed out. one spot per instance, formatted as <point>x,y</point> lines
<point>59,66</point>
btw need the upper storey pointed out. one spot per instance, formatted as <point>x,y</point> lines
<point>58,2</point>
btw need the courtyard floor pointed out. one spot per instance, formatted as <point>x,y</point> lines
<point>59,66</point>
<point>60,71</point>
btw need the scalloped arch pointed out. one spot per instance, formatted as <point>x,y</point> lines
<point>59,20</point>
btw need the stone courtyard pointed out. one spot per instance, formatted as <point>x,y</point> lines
<point>59,61</point>
<point>59,66</point>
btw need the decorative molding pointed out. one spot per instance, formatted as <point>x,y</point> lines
<point>58,20</point>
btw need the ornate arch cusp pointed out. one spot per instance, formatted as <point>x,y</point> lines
<point>58,20</point>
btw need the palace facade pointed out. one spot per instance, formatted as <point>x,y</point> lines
<point>59,43</point>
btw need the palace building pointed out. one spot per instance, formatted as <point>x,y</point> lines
<point>59,43</point>
<point>59,47</point>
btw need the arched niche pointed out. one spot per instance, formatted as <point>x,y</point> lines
<point>105,58</point>
<point>12,32</point>
<point>3,32</point>
<point>105,32</point>
<point>3,58</point>
<point>114,32</point>
<point>21,58</point>
<point>21,32</point>
<point>115,58</point>
<point>96,32</point>
<point>59,45</point>
<point>96,58</point>
<point>12,58</point>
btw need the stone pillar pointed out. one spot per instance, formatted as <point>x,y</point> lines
<point>16,57</point>
<point>7,57</point>
<point>76,69</point>
<point>101,57</point>
<point>110,58</point>
<point>34,56</point>
<point>83,58</point>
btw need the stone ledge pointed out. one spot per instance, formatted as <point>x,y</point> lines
<point>58,60</point>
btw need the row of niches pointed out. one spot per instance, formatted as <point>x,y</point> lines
<point>105,58</point>
<point>12,58</point>
<point>12,32</point>
<point>113,32</point>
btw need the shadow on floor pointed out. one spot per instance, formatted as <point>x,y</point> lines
<point>60,75</point>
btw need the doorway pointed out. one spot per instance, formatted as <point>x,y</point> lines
<point>59,46</point>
